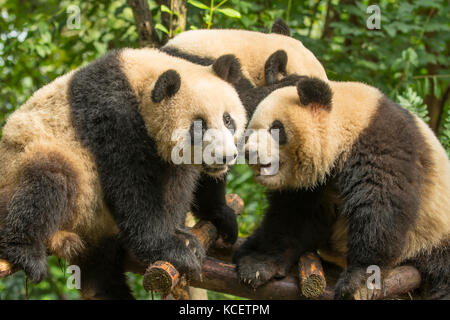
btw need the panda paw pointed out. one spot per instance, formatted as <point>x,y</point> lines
<point>31,259</point>
<point>226,223</point>
<point>256,270</point>
<point>348,283</point>
<point>185,253</point>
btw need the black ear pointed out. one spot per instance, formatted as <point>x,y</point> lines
<point>166,86</point>
<point>280,27</point>
<point>314,90</point>
<point>228,68</point>
<point>274,65</point>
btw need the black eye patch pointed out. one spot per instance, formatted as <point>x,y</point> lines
<point>197,130</point>
<point>229,122</point>
<point>282,137</point>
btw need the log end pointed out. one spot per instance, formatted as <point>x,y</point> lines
<point>6,269</point>
<point>313,286</point>
<point>160,277</point>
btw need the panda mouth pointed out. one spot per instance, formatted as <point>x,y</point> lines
<point>214,169</point>
<point>265,170</point>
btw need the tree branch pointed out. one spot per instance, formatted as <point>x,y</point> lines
<point>144,23</point>
<point>175,22</point>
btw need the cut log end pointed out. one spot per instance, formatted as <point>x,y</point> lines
<point>160,277</point>
<point>313,286</point>
<point>6,269</point>
<point>312,277</point>
<point>235,202</point>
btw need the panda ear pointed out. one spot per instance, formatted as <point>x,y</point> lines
<point>280,27</point>
<point>166,86</point>
<point>228,68</point>
<point>315,91</point>
<point>275,65</point>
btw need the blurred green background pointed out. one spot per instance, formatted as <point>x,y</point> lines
<point>407,58</point>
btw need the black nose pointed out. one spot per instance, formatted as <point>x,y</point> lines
<point>227,159</point>
<point>251,156</point>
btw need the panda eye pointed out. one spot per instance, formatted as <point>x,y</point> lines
<point>277,125</point>
<point>228,121</point>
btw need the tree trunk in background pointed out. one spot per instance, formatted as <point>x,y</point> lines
<point>176,22</point>
<point>434,104</point>
<point>144,23</point>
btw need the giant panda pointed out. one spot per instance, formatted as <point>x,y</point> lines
<point>265,67</point>
<point>356,177</point>
<point>86,165</point>
<point>252,48</point>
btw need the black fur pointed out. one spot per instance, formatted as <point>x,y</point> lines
<point>204,61</point>
<point>280,27</point>
<point>228,68</point>
<point>294,223</point>
<point>38,207</point>
<point>316,91</point>
<point>134,179</point>
<point>210,204</point>
<point>166,86</point>
<point>103,271</point>
<point>275,65</point>
<point>251,98</point>
<point>380,183</point>
<point>434,267</point>
<point>282,137</point>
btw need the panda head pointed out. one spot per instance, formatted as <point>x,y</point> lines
<point>196,116</point>
<point>290,141</point>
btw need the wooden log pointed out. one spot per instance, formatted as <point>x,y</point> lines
<point>398,281</point>
<point>162,276</point>
<point>222,277</point>
<point>311,276</point>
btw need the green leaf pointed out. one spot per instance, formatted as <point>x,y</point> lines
<point>230,12</point>
<point>436,88</point>
<point>160,27</point>
<point>165,9</point>
<point>198,4</point>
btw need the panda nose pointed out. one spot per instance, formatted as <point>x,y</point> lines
<point>251,156</point>
<point>228,159</point>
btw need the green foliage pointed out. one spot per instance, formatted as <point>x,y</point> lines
<point>407,59</point>
<point>208,11</point>
<point>241,181</point>
<point>414,103</point>
<point>54,287</point>
<point>445,132</point>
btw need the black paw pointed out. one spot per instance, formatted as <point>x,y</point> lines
<point>348,283</point>
<point>185,252</point>
<point>226,223</point>
<point>31,259</point>
<point>256,270</point>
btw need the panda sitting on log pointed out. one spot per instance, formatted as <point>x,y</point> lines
<point>352,175</point>
<point>88,157</point>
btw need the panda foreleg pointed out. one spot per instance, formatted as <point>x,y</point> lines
<point>103,271</point>
<point>210,204</point>
<point>380,215</point>
<point>292,225</point>
<point>39,204</point>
